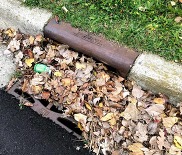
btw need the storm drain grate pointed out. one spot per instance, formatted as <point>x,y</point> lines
<point>47,110</point>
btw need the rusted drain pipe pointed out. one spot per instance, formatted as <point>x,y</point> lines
<point>111,54</point>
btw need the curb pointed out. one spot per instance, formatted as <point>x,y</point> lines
<point>149,71</point>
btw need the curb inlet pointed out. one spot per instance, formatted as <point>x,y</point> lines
<point>112,54</point>
<point>47,110</point>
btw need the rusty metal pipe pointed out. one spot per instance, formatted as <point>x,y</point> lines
<point>111,54</point>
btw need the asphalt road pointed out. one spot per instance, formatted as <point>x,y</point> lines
<point>24,132</point>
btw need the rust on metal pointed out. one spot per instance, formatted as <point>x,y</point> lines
<point>45,111</point>
<point>118,57</point>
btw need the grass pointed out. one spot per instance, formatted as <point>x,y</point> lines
<point>140,24</point>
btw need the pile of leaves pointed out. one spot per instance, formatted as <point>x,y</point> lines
<point>115,115</point>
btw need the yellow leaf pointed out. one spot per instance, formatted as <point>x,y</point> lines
<point>29,62</point>
<point>136,149</point>
<point>58,74</point>
<point>169,121</point>
<point>88,106</point>
<point>101,105</point>
<point>31,40</point>
<point>159,100</point>
<point>112,121</point>
<point>107,117</point>
<point>10,32</point>
<point>178,142</point>
<point>80,126</point>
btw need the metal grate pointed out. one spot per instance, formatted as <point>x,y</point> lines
<point>47,110</point>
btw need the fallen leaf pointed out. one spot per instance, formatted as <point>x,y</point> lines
<point>136,149</point>
<point>99,112</point>
<point>178,19</point>
<point>174,150</point>
<point>152,127</point>
<point>101,105</point>
<point>159,100</point>
<point>131,112</point>
<point>80,65</point>
<point>116,152</point>
<point>137,91</point>
<point>168,122</point>
<point>24,87</point>
<point>88,106</point>
<point>29,62</point>
<point>178,141</point>
<point>57,73</point>
<point>66,82</point>
<point>155,109</point>
<point>36,89</point>
<point>45,95</point>
<point>107,117</point>
<point>28,104</point>
<point>80,118</point>
<point>19,56</point>
<point>30,54</point>
<point>161,139</point>
<point>31,40</point>
<point>10,84</point>
<point>80,126</point>
<point>14,45</point>
<point>141,132</point>
<point>112,121</point>
<point>39,38</point>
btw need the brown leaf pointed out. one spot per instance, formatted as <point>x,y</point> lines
<point>10,84</point>
<point>116,152</point>
<point>45,95</point>
<point>25,85</point>
<point>99,112</point>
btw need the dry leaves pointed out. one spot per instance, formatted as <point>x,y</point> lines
<point>115,115</point>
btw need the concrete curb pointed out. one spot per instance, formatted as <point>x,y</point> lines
<point>149,71</point>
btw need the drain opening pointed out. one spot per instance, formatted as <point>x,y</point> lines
<point>55,109</point>
<point>24,95</point>
<point>44,102</point>
<point>70,125</point>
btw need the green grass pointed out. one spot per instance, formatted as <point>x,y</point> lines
<point>145,25</point>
